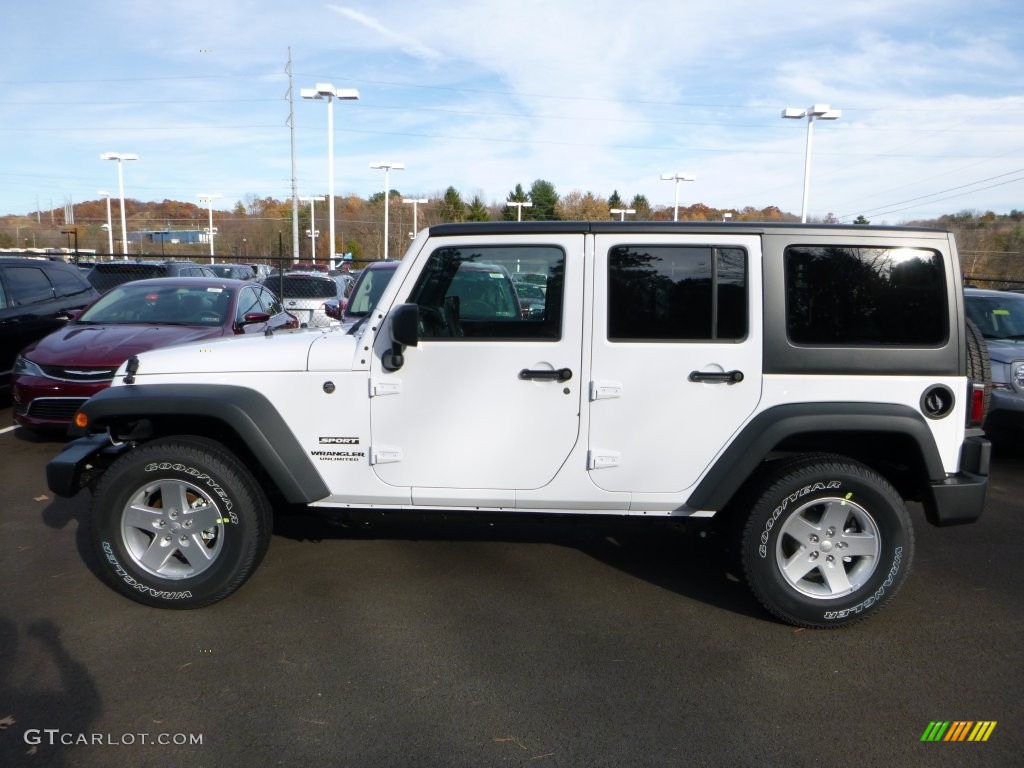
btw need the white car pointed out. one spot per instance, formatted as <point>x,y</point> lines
<point>305,295</point>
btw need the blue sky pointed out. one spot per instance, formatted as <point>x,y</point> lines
<point>590,95</point>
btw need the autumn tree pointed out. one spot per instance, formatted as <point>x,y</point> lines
<point>579,206</point>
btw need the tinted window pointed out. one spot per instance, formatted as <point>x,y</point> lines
<point>865,296</point>
<point>270,303</point>
<point>677,293</point>
<point>27,285</point>
<point>67,281</point>
<point>469,292</point>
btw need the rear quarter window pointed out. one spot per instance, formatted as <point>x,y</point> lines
<point>858,296</point>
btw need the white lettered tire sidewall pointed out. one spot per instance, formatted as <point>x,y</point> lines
<point>234,529</point>
<point>804,487</point>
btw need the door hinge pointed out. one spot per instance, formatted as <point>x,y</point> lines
<point>605,390</point>
<point>385,454</point>
<point>601,459</point>
<point>385,386</point>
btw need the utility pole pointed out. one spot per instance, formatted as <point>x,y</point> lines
<point>295,188</point>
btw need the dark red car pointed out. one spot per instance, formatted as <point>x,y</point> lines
<point>54,376</point>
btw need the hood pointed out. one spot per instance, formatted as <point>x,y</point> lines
<point>1005,350</point>
<point>110,345</point>
<point>280,351</point>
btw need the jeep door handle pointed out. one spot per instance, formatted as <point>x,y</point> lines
<point>562,374</point>
<point>726,377</point>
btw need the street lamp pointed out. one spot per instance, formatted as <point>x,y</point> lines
<point>208,199</point>
<point>822,112</point>
<point>121,157</point>
<point>387,165</point>
<point>677,177</point>
<point>519,207</point>
<point>110,229</point>
<point>622,212</point>
<point>327,91</point>
<point>312,225</point>
<point>414,202</point>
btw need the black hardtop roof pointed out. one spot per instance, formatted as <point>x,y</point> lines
<point>662,227</point>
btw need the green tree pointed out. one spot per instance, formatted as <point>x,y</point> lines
<point>517,195</point>
<point>615,201</point>
<point>452,207</point>
<point>544,199</point>
<point>861,220</point>
<point>478,210</point>
<point>642,207</point>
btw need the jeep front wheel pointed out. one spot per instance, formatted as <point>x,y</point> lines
<point>179,523</point>
<point>827,543</point>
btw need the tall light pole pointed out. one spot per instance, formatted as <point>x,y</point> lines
<point>822,112</point>
<point>414,201</point>
<point>121,157</point>
<point>387,165</point>
<point>327,91</point>
<point>110,229</point>
<point>208,199</point>
<point>312,225</point>
<point>677,177</point>
<point>519,207</point>
<point>622,212</point>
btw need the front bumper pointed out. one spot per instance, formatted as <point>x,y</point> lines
<point>72,469</point>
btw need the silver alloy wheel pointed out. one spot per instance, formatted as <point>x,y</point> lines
<point>828,548</point>
<point>172,529</point>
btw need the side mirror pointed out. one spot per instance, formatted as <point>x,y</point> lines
<point>255,317</point>
<point>404,333</point>
<point>405,325</point>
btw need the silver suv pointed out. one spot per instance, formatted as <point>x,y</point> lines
<point>999,315</point>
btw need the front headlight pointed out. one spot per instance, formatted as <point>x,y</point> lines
<point>1017,376</point>
<point>25,367</point>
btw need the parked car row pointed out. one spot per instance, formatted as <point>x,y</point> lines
<point>53,376</point>
<point>999,315</point>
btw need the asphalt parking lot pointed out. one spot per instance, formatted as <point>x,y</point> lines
<point>541,643</point>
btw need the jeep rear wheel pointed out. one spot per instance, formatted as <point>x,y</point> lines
<point>179,523</point>
<point>827,543</point>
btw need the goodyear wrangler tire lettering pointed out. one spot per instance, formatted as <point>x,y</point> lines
<point>179,523</point>
<point>827,542</point>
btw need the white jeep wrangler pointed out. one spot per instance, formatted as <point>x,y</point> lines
<point>797,382</point>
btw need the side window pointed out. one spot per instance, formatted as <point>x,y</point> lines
<point>68,282</point>
<point>677,293</point>
<point>472,292</point>
<point>28,285</point>
<point>248,301</point>
<point>865,296</point>
<point>270,303</point>
<point>3,296</point>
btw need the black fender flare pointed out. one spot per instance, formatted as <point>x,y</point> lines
<point>249,413</point>
<point>768,429</point>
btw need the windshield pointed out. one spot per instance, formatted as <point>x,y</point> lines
<point>303,286</point>
<point>998,317</point>
<point>163,305</point>
<point>368,289</point>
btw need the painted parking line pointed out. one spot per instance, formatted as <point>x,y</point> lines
<point>8,429</point>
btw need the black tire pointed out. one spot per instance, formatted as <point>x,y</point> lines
<point>158,555</point>
<point>809,511</point>
<point>979,367</point>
